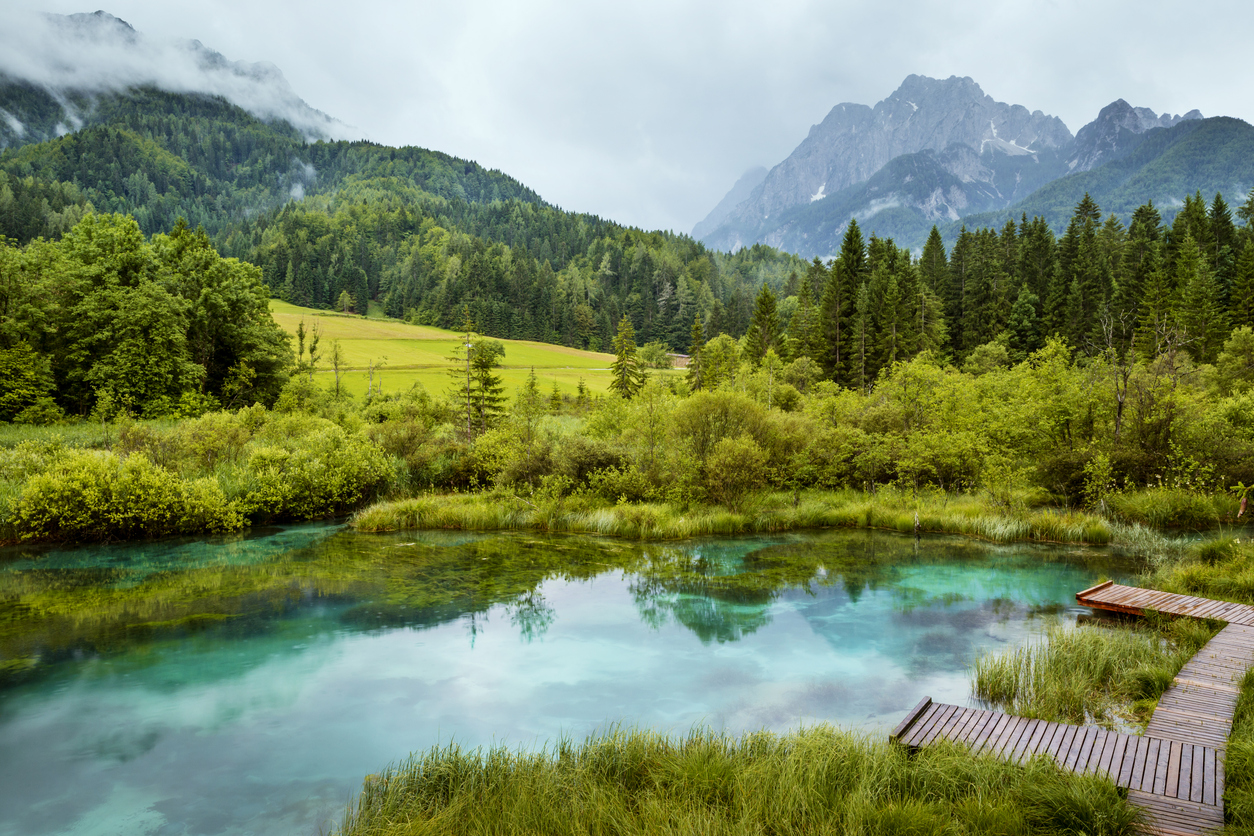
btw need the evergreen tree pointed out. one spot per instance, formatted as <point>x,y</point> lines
<point>1038,257</point>
<point>764,331</point>
<point>1224,250</point>
<point>862,339</point>
<point>933,266</point>
<point>1201,314</point>
<point>696,340</point>
<point>627,376</point>
<point>1023,326</point>
<point>1141,256</point>
<point>1241,300</point>
<point>961,261</point>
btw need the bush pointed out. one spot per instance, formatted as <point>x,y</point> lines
<point>329,472</point>
<point>735,468</point>
<point>102,496</point>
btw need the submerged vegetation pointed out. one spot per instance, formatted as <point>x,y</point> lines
<point>813,781</point>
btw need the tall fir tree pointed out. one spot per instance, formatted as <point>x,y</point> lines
<point>764,331</point>
<point>626,376</point>
<point>1201,313</point>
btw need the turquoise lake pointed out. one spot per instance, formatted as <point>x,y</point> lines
<point>246,685</point>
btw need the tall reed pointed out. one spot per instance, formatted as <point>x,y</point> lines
<point>814,781</point>
<point>1089,674</point>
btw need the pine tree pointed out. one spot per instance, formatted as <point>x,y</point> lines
<point>1141,257</point>
<point>764,331</point>
<point>1241,300</point>
<point>961,260</point>
<point>627,376</point>
<point>933,266</point>
<point>1201,314</point>
<point>1023,326</point>
<point>555,399</point>
<point>696,340</point>
<point>861,343</point>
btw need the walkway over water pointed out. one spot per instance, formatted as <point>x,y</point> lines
<point>1175,771</point>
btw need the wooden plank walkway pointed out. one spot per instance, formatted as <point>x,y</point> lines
<point>1133,601</point>
<point>1175,771</point>
<point>1184,774</point>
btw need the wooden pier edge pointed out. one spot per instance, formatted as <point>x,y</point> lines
<point>1080,596</point>
<point>908,720</point>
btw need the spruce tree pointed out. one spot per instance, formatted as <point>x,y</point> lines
<point>1241,299</point>
<point>1023,326</point>
<point>764,331</point>
<point>696,339</point>
<point>933,266</point>
<point>1201,314</point>
<point>626,374</point>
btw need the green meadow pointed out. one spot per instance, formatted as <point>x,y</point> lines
<point>405,354</point>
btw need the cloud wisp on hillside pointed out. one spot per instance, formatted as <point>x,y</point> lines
<point>99,53</point>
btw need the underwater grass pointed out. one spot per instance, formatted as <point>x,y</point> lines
<point>814,781</point>
<point>1090,674</point>
<point>770,512</point>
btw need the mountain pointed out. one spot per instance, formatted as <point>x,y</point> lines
<point>738,194</point>
<point>1007,144</point>
<point>56,69</point>
<point>1117,130</point>
<point>1164,165</point>
<point>944,153</point>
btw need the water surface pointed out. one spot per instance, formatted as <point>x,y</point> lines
<point>246,685</point>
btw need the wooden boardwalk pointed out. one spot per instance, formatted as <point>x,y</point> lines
<point>1179,784</point>
<point>1133,601</point>
<point>1175,771</point>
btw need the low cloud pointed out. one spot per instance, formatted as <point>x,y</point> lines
<point>99,53</point>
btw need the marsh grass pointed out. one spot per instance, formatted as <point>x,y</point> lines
<point>1173,508</point>
<point>814,781</point>
<point>1239,764</point>
<point>1104,675</point>
<point>770,512</point>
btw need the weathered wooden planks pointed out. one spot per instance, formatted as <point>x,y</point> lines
<point>1172,769</point>
<point>1134,601</point>
<point>1174,772</point>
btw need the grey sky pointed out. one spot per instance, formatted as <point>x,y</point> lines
<point>647,112</point>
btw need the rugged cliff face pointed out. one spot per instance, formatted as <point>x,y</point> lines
<point>1117,130</point>
<point>935,151</point>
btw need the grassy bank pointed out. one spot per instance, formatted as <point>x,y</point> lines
<point>814,781</point>
<point>1112,676</point>
<point>769,512</point>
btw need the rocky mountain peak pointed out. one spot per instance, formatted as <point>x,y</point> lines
<point>1117,129</point>
<point>855,141</point>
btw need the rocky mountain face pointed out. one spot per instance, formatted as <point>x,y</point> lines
<point>54,70</point>
<point>855,141</point>
<point>739,193</point>
<point>1116,131</point>
<point>935,151</point>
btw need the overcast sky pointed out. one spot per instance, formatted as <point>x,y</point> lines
<point>647,112</point>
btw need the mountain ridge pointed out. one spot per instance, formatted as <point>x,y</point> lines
<point>983,169</point>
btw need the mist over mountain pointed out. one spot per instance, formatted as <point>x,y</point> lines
<point>941,152</point>
<point>54,68</point>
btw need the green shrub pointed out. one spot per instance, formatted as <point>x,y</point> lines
<point>102,496</point>
<point>736,467</point>
<point>328,472</point>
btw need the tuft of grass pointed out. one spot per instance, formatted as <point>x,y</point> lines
<point>1087,674</point>
<point>1172,508</point>
<point>771,512</point>
<point>813,781</point>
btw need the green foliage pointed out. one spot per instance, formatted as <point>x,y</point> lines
<point>628,377</point>
<point>815,781</point>
<point>101,496</point>
<point>1077,673</point>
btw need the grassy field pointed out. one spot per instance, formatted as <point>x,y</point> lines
<point>419,354</point>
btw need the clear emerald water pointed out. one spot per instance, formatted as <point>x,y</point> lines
<point>247,685</point>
